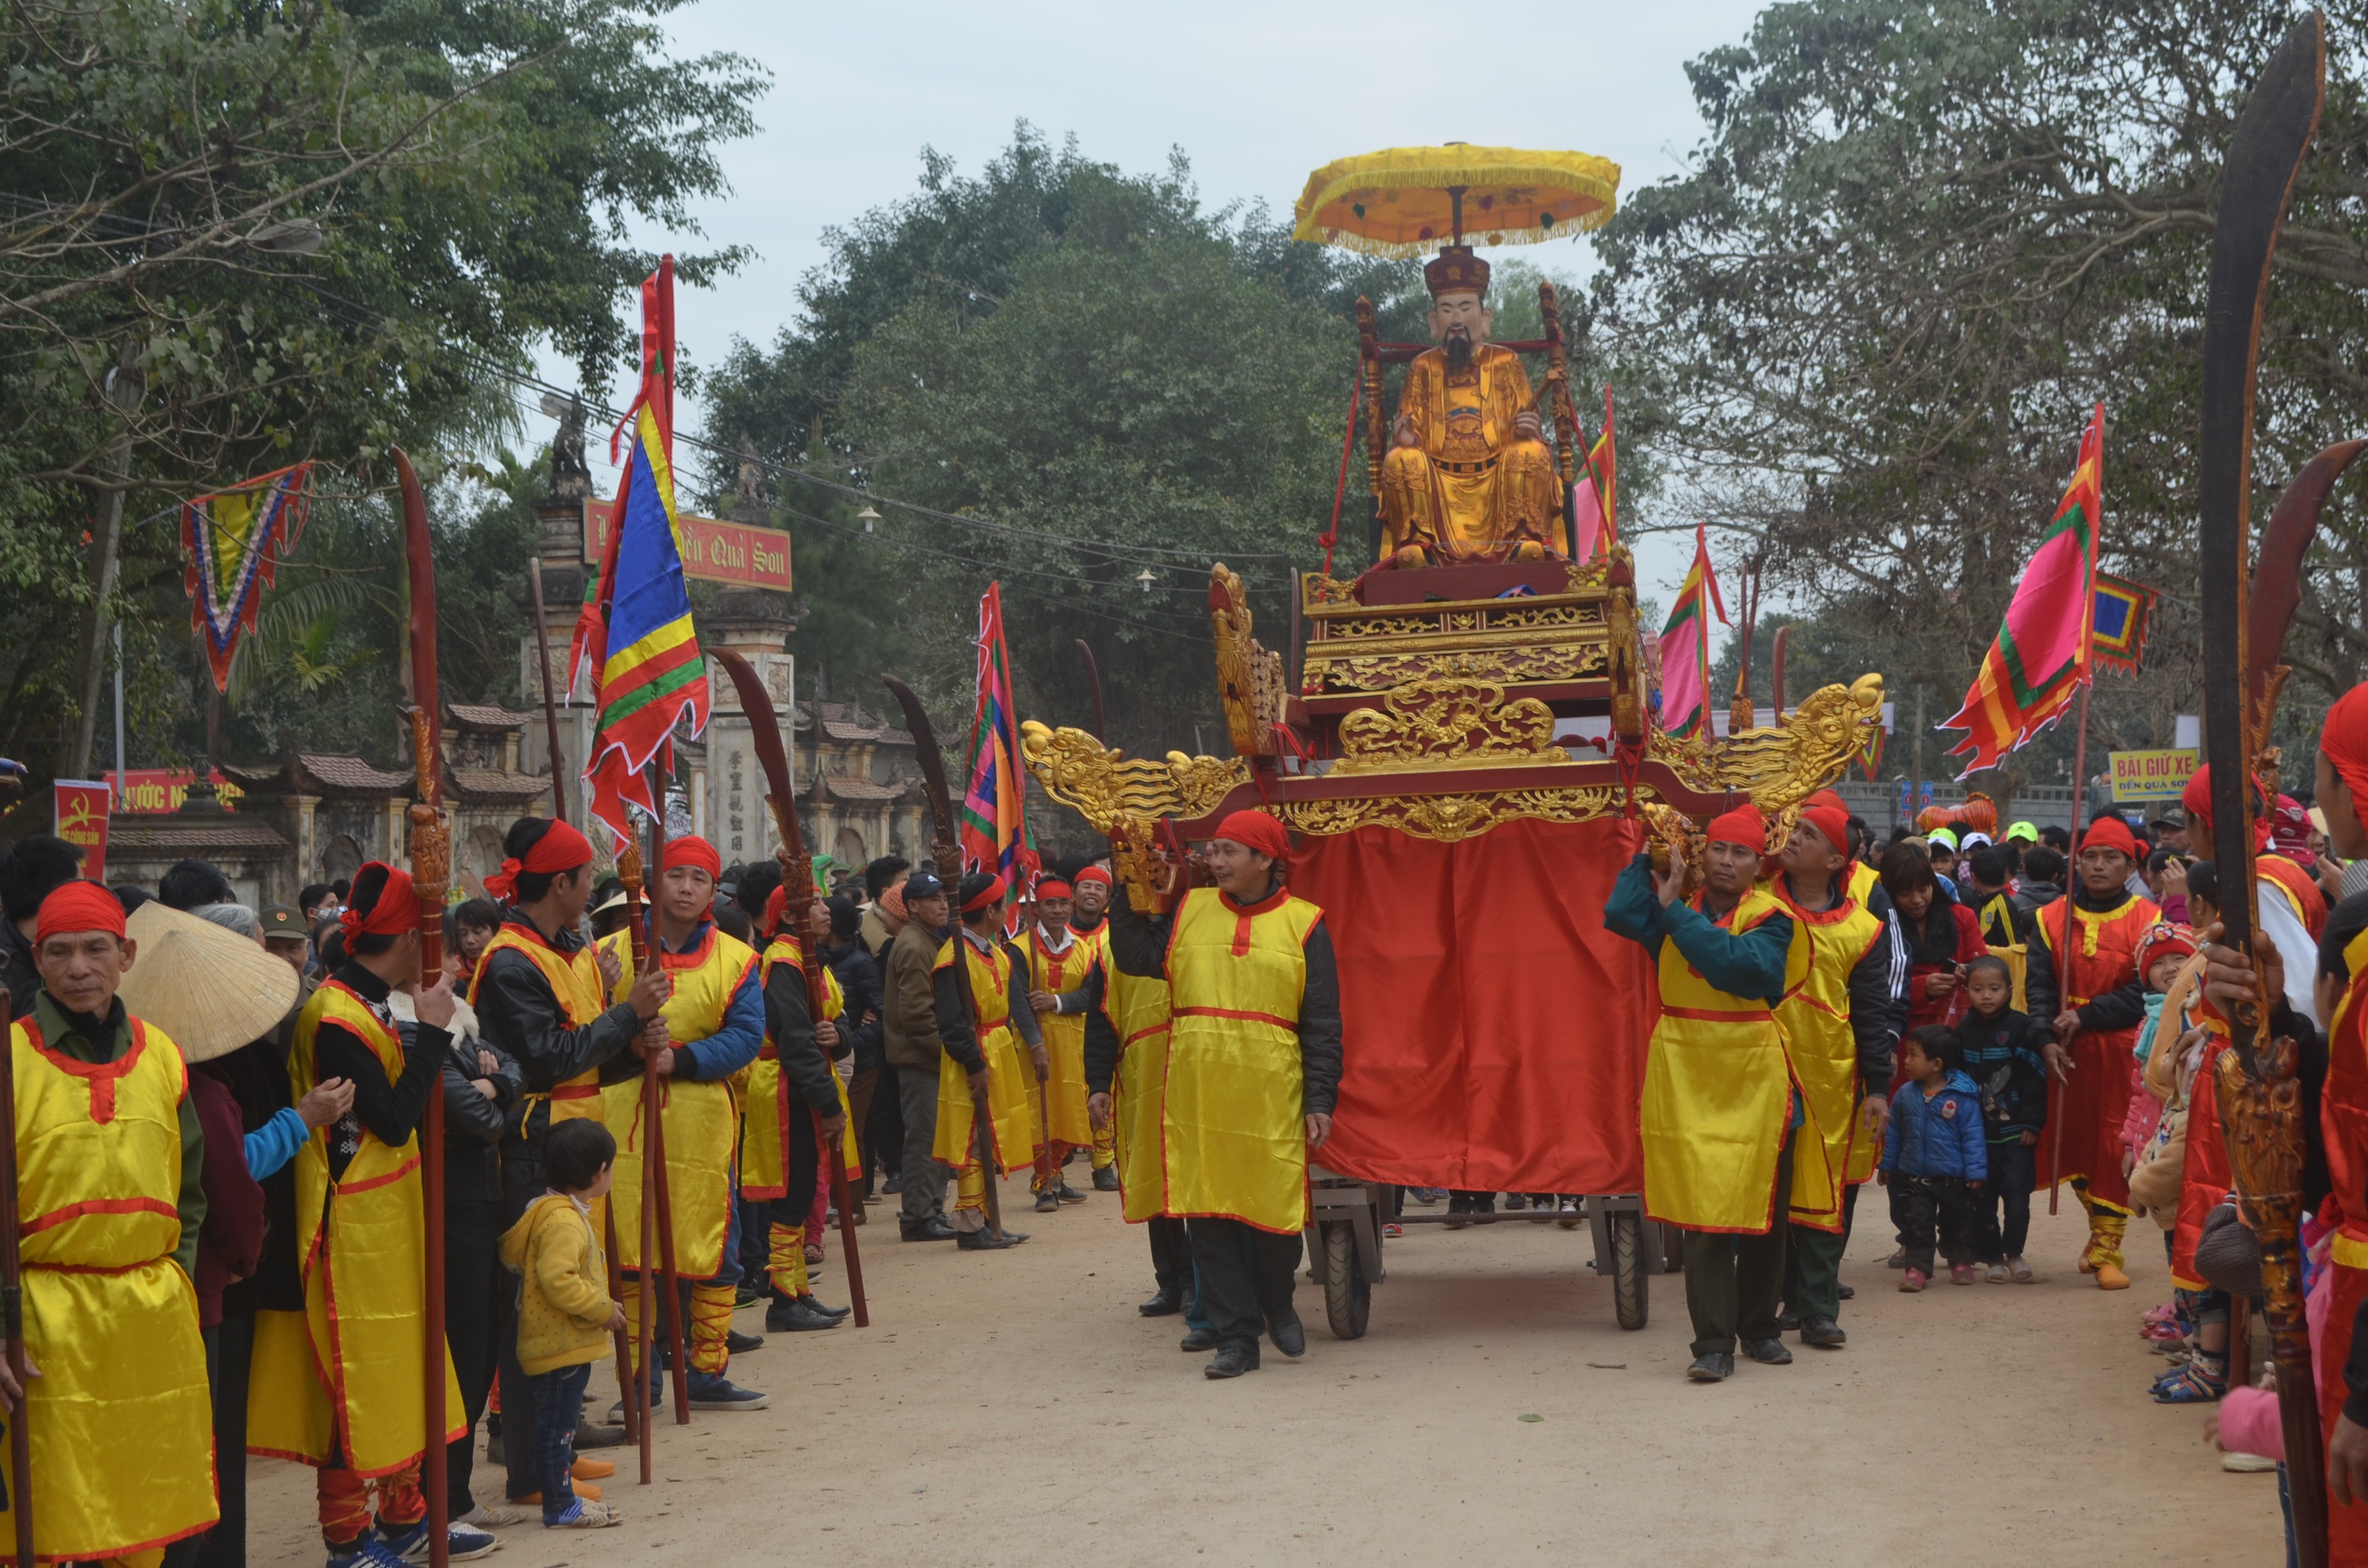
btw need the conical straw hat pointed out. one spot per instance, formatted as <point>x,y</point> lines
<point>208,987</point>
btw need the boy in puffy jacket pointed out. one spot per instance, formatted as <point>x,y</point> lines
<point>1935,1156</point>
<point>566,1316</point>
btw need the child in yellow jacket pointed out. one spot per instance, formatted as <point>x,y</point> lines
<point>564,1315</point>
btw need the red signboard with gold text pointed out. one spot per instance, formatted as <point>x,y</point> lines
<point>150,789</point>
<point>82,822</point>
<point>721,552</point>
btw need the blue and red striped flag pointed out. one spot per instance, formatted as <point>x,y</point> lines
<point>995,807</point>
<point>636,632</point>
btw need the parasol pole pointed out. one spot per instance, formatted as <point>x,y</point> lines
<point>550,700</point>
<point>12,1311</point>
<point>797,872</point>
<point>431,868</point>
<point>655,1160</point>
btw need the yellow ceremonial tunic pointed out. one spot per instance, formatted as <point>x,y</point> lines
<point>346,1378</point>
<point>574,980</point>
<point>702,1120</point>
<point>1233,1139</point>
<point>1010,1078</point>
<point>1718,1091</point>
<point>1833,1151</point>
<point>1136,1006</point>
<point>768,1103</point>
<point>121,1421</point>
<point>1065,1035</point>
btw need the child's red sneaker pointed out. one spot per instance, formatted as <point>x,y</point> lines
<point>1914,1279</point>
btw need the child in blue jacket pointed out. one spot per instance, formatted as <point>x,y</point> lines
<point>1936,1156</point>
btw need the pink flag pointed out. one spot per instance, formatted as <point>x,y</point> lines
<point>1588,510</point>
<point>1684,646</point>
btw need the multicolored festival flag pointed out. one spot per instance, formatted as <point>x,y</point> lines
<point>995,807</point>
<point>2045,648</point>
<point>2118,636</point>
<point>1685,646</point>
<point>234,542</point>
<point>636,634</point>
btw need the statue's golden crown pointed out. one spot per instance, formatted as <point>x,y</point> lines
<point>1455,270</point>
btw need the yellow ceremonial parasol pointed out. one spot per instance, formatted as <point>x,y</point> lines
<point>1407,201</point>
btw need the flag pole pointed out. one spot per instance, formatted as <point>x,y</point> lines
<point>2080,801</point>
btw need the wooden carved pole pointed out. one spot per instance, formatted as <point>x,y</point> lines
<point>2260,1096</point>
<point>654,1159</point>
<point>637,1397</point>
<point>431,870</point>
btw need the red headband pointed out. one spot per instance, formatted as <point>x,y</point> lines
<point>988,896</point>
<point>1828,798</point>
<point>2112,832</point>
<point>691,850</point>
<point>1053,887</point>
<point>560,849</point>
<point>78,906</point>
<point>1832,825</point>
<point>1093,874</point>
<point>1741,826</point>
<point>395,911</point>
<point>2344,739</point>
<point>1256,829</point>
<point>777,909</point>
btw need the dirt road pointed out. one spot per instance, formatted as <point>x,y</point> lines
<point>1012,1409</point>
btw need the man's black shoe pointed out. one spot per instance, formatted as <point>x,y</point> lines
<point>1849,1292</point>
<point>1768,1352</point>
<point>1715,1368</point>
<point>936,1230</point>
<point>1458,1204</point>
<point>1233,1361</point>
<point>1822,1333</point>
<point>1068,1194</point>
<point>740,1343</point>
<point>834,1313</point>
<point>1167,1303</point>
<point>795,1317</point>
<point>986,1241</point>
<point>891,1186</point>
<point>1197,1339</point>
<point>1106,1179</point>
<point>495,1453</point>
<point>591,1436</point>
<point>748,1292</point>
<point>1048,1202</point>
<point>1787,1321</point>
<point>1289,1336</point>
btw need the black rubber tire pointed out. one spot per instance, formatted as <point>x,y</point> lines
<point>1630,1287</point>
<point>1347,1297</point>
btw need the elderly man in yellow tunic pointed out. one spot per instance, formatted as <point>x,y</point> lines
<point>1251,1077</point>
<point>108,1153</point>
<point>1468,476</point>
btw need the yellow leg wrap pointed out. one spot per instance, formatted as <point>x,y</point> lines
<point>788,1265</point>
<point>970,1188</point>
<point>710,1324</point>
<point>1105,1146</point>
<point>633,1316</point>
<point>2106,1225</point>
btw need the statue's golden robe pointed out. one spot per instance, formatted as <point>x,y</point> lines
<point>1470,488</point>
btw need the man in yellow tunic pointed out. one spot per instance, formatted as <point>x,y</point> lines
<point>1252,1075</point>
<point>1127,1024</point>
<point>342,1387</point>
<point>1468,476</point>
<point>1719,1116</point>
<point>983,1057</point>
<point>109,1203</point>
<point>713,1025</point>
<point>796,1107</point>
<point>1058,961</point>
<point>1089,918</point>
<point>1841,1019</point>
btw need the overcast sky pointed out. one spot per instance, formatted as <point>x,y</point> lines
<point>1256,94</point>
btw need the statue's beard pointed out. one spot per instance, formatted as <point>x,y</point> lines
<point>1459,350</point>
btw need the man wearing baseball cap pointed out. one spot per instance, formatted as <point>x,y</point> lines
<point>1253,1072</point>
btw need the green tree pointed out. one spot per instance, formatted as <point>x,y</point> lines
<point>236,235</point>
<point>1918,242</point>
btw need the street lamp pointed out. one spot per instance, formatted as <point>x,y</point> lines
<point>1146,577</point>
<point>868,517</point>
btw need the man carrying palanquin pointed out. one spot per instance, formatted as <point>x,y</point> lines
<point>1468,476</point>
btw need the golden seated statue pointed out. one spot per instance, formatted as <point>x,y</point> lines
<point>1468,475</point>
